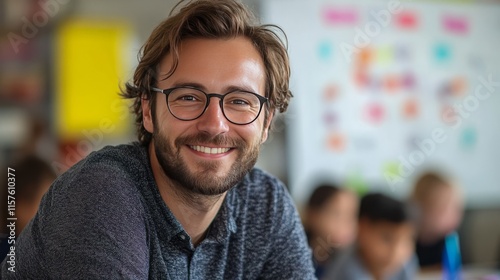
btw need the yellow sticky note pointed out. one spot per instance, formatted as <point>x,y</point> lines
<point>92,63</point>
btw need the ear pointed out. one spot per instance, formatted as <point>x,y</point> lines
<point>147,117</point>
<point>265,132</point>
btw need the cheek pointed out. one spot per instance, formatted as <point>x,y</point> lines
<point>404,251</point>
<point>373,248</point>
<point>349,232</point>
<point>250,133</point>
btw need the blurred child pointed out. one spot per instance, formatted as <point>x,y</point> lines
<point>385,243</point>
<point>440,207</point>
<point>330,223</point>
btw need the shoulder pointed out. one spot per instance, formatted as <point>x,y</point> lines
<point>409,270</point>
<point>121,158</point>
<point>346,266</point>
<point>112,165</point>
<point>94,216</point>
<point>107,178</point>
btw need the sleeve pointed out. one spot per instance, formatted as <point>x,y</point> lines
<point>91,226</point>
<point>290,256</point>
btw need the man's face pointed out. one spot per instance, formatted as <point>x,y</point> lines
<point>208,155</point>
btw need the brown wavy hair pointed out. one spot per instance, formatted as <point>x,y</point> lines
<point>211,19</point>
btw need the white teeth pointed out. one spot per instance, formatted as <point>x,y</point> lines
<point>208,150</point>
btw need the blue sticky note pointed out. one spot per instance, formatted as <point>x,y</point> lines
<point>468,139</point>
<point>442,52</point>
<point>325,50</point>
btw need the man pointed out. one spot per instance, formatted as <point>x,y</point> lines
<point>185,202</point>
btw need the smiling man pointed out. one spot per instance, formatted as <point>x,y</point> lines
<point>185,202</point>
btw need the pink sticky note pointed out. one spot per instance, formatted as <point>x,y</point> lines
<point>407,19</point>
<point>336,15</point>
<point>456,24</point>
<point>374,113</point>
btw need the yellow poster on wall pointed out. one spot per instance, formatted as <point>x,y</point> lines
<point>92,61</point>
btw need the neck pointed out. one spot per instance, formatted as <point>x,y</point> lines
<point>194,212</point>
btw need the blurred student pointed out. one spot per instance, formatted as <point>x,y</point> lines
<point>330,222</point>
<point>440,212</point>
<point>33,179</point>
<point>385,243</point>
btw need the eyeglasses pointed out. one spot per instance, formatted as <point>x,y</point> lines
<point>189,103</point>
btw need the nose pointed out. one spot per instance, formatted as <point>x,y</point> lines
<point>213,121</point>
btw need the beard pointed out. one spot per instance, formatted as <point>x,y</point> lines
<point>205,180</point>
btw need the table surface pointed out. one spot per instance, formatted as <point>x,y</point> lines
<point>467,274</point>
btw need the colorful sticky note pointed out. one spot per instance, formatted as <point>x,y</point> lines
<point>410,108</point>
<point>412,142</point>
<point>449,115</point>
<point>468,138</point>
<point>330,119</point>
<point>330,93</point>
<point>374,112</point>
<point>391,171</point>
<point>92,63</point>
<point>356,182</point>
<point>361,78</point>
<point>336,142</point>
<point>391,83</point>
<point>391,167</point>
<point>408,81</point>
<point>385,55</point>
<point>365,57</point>
<point>402,53</point>
<point>407,19</point>
<point>458,86</point>
<point>325,50</point>
<point>442,52</point>
<point>456,24</point>
<point>337,15</point>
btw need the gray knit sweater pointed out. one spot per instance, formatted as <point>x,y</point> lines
<point>105,219</point>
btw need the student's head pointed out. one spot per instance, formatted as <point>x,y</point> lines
<point>33,178</point>
<point>331,216</point>
<point>208,82</point>
<point>440,206</point>
<point>385,234</point>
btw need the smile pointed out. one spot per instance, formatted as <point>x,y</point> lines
<point>208,150</point>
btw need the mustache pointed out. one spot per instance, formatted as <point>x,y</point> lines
<point>205,139</point>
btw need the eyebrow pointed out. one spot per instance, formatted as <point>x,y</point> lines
<point>203,88</point>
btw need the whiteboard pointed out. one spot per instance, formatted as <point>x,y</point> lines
<point>384,90</point>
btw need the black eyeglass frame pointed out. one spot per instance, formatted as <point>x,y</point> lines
<point>263,100</point>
